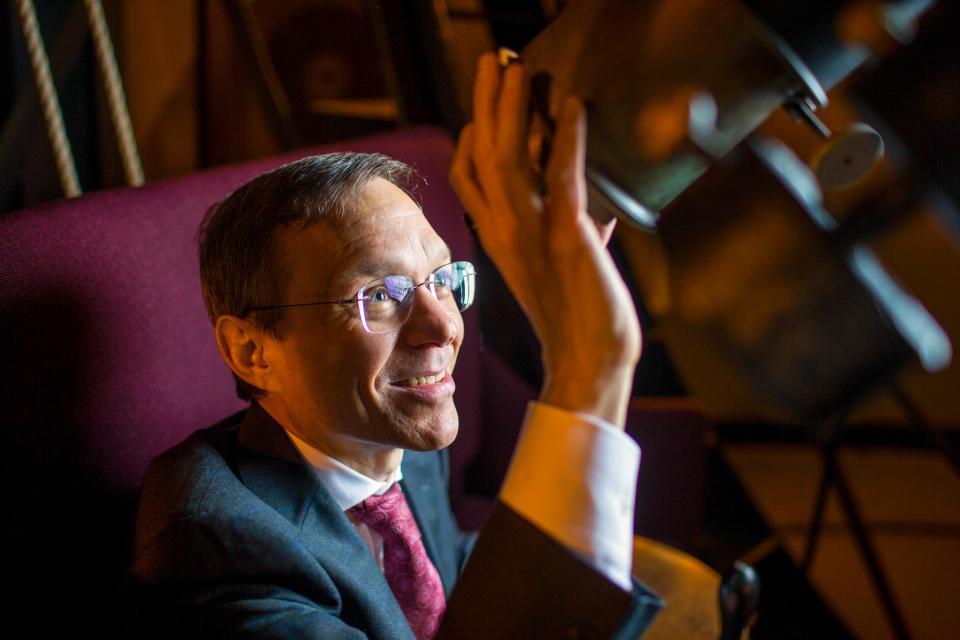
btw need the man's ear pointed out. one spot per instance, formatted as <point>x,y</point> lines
<point>242,346</point>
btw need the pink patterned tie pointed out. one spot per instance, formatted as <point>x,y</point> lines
<point>411,576</point>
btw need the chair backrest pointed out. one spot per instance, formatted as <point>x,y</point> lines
<point>109,357</point>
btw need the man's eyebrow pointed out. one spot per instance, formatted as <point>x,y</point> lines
<point>377,268</point>
<point>367,267</point>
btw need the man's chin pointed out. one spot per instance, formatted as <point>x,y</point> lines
<point>431,437</point>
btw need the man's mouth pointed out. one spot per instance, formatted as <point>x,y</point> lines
<point>416,381</point>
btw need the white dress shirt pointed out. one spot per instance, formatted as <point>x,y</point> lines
<point>572,475</point>
<point>348,488</point>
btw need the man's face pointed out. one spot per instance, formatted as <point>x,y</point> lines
<point>340,387</point>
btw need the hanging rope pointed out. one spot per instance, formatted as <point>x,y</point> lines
<point>50,105</point>
<point>116,100</point>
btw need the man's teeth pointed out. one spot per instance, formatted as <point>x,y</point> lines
<point>417,380</point>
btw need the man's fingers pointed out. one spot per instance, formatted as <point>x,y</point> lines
<point>462,175</point>
<point>512,114</point>
<point>565,170</point>
<point>486,87</point>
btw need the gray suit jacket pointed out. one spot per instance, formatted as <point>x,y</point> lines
<point>237,538</point>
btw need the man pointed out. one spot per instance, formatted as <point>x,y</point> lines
<point>337,307</point>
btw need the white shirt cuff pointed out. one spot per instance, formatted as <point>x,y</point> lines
<point>574,476</point>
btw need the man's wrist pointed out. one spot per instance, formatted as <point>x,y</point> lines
<point>604,394</point>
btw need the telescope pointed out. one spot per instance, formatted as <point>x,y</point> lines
<point>766,272</point>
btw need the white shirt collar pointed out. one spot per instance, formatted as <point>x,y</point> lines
<point>348,487</point>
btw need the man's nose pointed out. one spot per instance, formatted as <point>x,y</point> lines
<point>431,320</point>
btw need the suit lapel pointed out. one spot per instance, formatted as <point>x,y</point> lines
<point>271,467</point>
<point>420,486</point>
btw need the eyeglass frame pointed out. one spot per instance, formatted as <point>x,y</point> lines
<point>356,299</point>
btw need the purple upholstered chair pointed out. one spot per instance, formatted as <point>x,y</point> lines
<point>108,359</point>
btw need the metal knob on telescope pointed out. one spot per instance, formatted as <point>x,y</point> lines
<point>739,596</point>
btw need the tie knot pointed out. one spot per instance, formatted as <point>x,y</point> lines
<point>386,501</point>
<point>387,514</point>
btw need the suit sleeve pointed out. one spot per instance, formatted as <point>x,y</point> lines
<point>520,582</point>
<point>554,557</point>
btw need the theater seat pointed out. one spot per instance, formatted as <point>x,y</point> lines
<point>109,359</point>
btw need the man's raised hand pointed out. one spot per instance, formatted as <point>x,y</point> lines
<point>545,244</point>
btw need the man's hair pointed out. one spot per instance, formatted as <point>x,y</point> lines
<point>240,267</point>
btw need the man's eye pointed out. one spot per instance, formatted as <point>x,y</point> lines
<point>380,294</point>
<point>442,279</point>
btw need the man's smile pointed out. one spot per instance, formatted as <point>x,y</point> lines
<point>429,385</point>
<point>422,379</point>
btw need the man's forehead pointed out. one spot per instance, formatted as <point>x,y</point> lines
<point>364,244</point>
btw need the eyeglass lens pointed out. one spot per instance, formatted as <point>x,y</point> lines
<point>385,303</point>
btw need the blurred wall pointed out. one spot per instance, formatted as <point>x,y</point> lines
<point>158,53</point>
